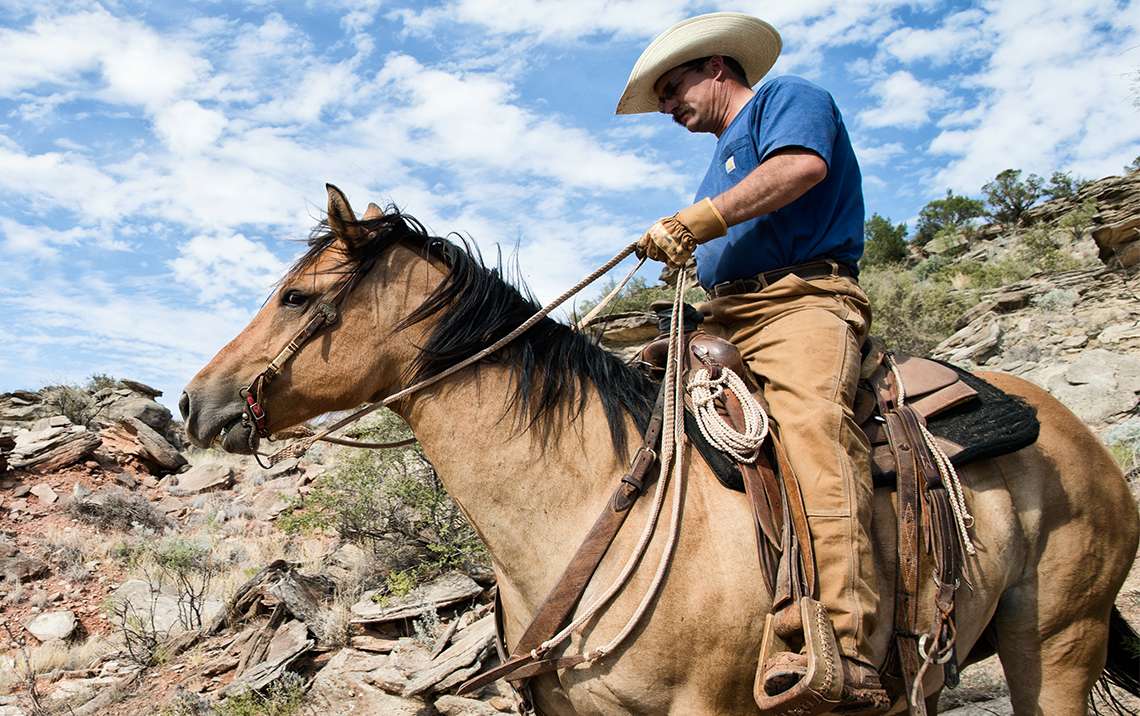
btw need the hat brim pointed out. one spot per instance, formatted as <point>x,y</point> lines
<point>749,40</point>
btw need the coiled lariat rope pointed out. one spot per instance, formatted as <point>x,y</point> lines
<point>704,391</point>
<point>962,517</point>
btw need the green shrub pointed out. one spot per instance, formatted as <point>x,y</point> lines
<point>951,212</point>
<point>911,315</point>
<point>71,401</point>
<point>1040,250</point>
<point>99,381</point>
<point>884,242</point>
<point>390,501</point>
<point>283,697</point>
<point>1009,196</point>
<point>1079,220</point>
<point>636,296</point>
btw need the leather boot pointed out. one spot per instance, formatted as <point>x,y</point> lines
<point>863,693</point>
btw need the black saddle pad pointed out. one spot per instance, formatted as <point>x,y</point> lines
<point>996,423</point>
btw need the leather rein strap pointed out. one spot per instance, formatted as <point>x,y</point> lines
<point>526,660</point>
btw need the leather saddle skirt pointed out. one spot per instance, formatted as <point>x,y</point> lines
<point>971,419</point>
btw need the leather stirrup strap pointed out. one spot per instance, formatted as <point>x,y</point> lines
<point>560,602</point>
<point>909,549</point>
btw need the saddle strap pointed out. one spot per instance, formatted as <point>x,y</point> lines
<point>560,602</point>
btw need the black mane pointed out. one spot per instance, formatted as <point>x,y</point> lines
<point>552,365</point>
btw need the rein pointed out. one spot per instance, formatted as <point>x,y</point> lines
<point>252,396</point>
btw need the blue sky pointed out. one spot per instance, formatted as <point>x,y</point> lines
<point>159,162</point>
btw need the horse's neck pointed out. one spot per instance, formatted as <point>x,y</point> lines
<point>531,501</point>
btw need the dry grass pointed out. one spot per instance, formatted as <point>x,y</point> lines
<point>57,656</point>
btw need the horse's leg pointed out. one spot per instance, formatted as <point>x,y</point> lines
<point>1049,671</point>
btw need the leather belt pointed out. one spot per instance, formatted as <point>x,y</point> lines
<point>757,283</point>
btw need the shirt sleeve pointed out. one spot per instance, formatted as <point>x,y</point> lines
<point>797,114</point>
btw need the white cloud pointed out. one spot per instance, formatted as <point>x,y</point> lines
<point>960,36</point>
<point>136,65</point>
<point>218,266</point>
<point>875,154</point>
<point>472,118</point>
<point>904,101</point>
<point>1052,96</point>
<point>187,127</point>
<point>553,19</point>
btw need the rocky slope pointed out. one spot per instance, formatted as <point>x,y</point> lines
<point>95,623</point>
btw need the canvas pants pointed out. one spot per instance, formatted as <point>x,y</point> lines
<point>801,339</point>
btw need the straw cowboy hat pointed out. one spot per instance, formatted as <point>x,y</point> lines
<point>750,41</point>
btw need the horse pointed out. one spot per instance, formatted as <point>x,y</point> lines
<point>530,441</point>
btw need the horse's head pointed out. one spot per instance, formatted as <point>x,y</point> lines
<point>353,357</point>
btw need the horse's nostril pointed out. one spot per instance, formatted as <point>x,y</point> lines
<point>184,405</point>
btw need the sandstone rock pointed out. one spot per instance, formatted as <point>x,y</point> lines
<point>374,644</point>
<point>141,388</point>
<point>460,706</point>
<point>45,493</point>
<point>342,689</point>
<point>138,596</point>
<point>132,436</point>
<point>443,591</point>
<point>1097,385</point>
<point>289,642</point>
<point>468,649</point>
<point>203,478</point>
<point>19,567</point>
<point>53,625</point>
<point>53,449</point>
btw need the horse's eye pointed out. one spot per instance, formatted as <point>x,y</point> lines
<point>294,298</point>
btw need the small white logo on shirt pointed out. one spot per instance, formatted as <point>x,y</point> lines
<point>730,164</point>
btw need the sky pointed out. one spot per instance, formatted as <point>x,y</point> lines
<point>162,163</point>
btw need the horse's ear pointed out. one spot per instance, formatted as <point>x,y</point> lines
<point>341,219</point>
<point>372,212</point>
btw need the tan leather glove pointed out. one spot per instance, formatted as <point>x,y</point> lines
<point>673,238</point>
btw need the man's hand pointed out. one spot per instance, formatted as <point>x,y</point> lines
<point>673,238</point>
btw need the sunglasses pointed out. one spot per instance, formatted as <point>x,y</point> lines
<point>669,89</point>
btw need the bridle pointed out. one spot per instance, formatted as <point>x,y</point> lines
<point>327,313</point>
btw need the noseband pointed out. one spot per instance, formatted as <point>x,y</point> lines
<point>254,394</point>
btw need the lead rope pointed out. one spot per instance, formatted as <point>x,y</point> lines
<point>300,448</point>
<point>672,446</point>
<point>962,516</point>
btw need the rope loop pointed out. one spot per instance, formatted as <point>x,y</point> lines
<point>704,390</point>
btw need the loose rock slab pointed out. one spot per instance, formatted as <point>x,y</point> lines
<point>203,478</point>
<point>53,625</point>
<point>441,592</point>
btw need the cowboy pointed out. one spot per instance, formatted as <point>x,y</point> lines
<point>776,230</point>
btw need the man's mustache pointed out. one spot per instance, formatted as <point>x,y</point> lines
<point>679,114</point>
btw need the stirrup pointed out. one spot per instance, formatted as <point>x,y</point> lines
<point>820,688</point>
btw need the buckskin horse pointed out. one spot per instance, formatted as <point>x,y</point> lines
<point>530,440</point>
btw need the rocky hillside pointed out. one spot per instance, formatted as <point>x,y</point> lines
<point>138,576</point>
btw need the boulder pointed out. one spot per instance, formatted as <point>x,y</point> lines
<point>1098,385</point>
<point>15,566</point>
<point>118,407</point>
<point>140,599</point>
<point>53,448</point>
<point>460,706</point>
<point>53,625</point>
<point>134,437</point>
<point>44,492</point>
<point>443,591</point>
<point>202,478</point>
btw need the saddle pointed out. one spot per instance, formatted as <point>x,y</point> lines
<point>898,398</point>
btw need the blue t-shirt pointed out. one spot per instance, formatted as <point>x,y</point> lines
<point>824,223</point>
